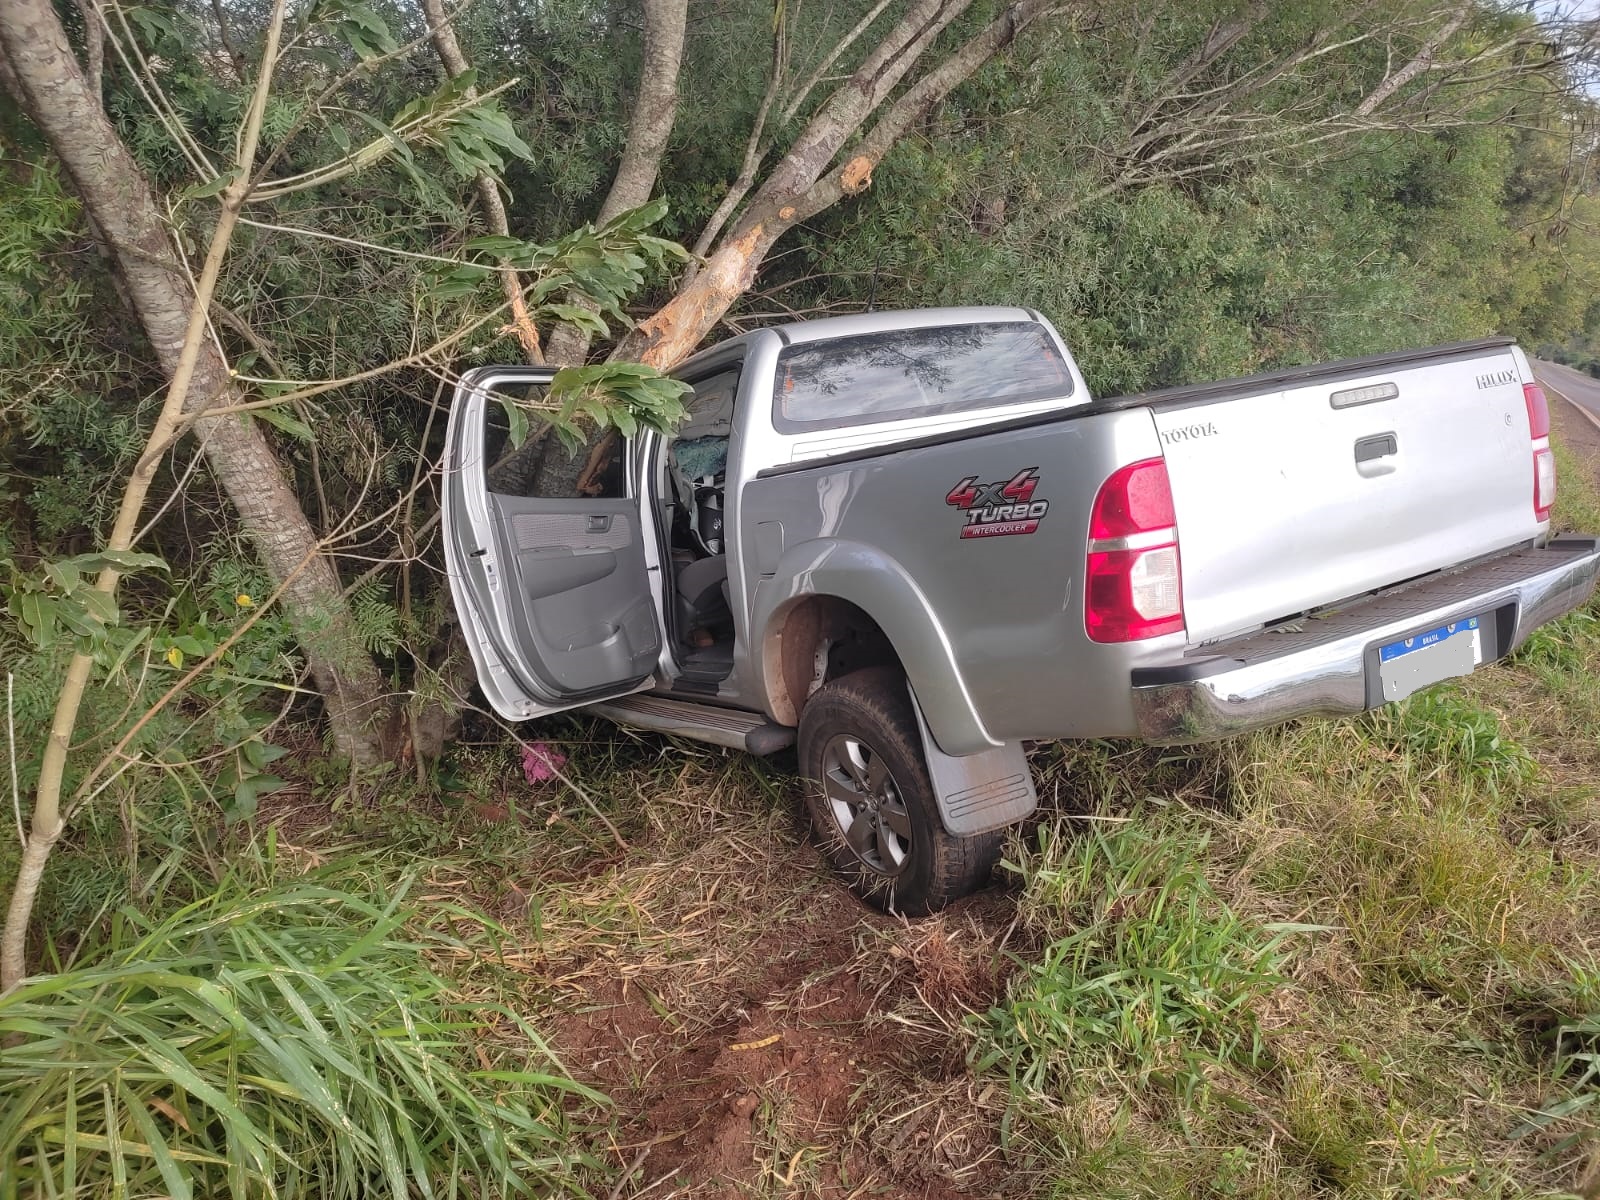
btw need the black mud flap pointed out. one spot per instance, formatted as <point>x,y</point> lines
<point>978,792</point>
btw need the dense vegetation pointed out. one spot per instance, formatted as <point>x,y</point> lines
<point>291,938</point>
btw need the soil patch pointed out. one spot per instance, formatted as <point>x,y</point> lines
<point>827,1070</point>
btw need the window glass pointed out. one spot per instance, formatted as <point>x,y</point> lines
<point>699,447</point>
<point>515,470</point>
<point>917,372</point>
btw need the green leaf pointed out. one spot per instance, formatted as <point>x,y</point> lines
<point>210,187</point>
<point>585,319</point>
<point>126,561</point>
<point>661,248</point>
<point>496,246</point>
<point>154,1144</point>
<point>516,419</point>
<point>281,419</point>
<point>361,28</point>
<point>155,23</point>
<point>72,613</point>
<point>640,218</point>
<point>63,574</point>
<point>101,606</point>
<point>1552,1113</point>
<point>37,614</point>
<point>396,142</point>
<point>458,282</point>
<point>247,793</point>
<point>258,753</point>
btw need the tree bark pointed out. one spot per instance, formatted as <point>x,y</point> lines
<point>802,184</point>
<point>94,47</point>
<point>1419,63</point>
<point>118,201</point>
<point>443,31</point>
<point>654,111</point>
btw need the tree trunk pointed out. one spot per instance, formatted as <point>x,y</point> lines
<point>561,473</point>
<point>53,92</point>
<point>442,30</point>
<point>802,183</point>
<point>654,111</point>
<point>1419,63</point>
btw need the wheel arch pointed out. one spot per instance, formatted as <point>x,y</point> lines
<point>813,639</point>
<point>840,606</point>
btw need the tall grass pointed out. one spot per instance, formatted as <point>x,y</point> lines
<point>1145,972</point>
<point>1441,730</point>
<point>288,1041</point>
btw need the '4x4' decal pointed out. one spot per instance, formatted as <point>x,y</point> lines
<point>997,509</point>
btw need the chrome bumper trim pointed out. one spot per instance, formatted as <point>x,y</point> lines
<point>1224,694</point>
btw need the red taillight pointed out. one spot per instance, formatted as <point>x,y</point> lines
<point>1544,460</point>
<point>1538,411</point>
<point>1133,585</point>
<point>1137,499</point>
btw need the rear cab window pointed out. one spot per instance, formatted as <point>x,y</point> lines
<point>905,373</point>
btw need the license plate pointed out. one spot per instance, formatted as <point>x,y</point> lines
<point>1416,662</point>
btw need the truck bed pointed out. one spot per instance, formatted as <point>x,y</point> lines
<point>1297,488</point>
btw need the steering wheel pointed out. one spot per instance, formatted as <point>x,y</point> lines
<point>706,520</point>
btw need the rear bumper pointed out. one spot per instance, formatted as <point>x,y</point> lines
<point>1327,665</point>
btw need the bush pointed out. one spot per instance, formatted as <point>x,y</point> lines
<point>290,1041</point>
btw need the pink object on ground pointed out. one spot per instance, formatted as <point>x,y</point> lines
<point>540,762</point>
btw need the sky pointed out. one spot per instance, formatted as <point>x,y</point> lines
<point>1568,9</point>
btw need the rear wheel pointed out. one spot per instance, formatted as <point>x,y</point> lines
<point>871,802</point>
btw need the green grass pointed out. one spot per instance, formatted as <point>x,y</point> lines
<point>1144,974</point>
<point>289,1039</point>
<point>1437,1034</point>
<point>1442,733</point>
<point>1175,1029</point>
<point>1352,958</point>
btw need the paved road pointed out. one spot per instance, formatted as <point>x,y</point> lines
<point>1580,388</point>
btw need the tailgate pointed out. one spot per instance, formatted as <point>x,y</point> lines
<point>1286,502</point>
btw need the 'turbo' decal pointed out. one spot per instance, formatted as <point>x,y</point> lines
<point>1001,508</point>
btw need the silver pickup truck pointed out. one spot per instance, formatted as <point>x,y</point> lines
<point>913,541</point>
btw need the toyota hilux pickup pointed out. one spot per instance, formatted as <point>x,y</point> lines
<point>908,543</point>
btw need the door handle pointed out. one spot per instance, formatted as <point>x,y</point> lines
<point>1379,445</point>
<point>599,523</point>
<point>1375,455</point>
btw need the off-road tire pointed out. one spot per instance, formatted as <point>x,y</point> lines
<point>871,710</point>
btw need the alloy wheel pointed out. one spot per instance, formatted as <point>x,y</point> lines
<point>866,804</point>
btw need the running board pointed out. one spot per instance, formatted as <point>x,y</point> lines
<point>750,732</point>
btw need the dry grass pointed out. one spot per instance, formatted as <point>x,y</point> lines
<point>762,1034</point>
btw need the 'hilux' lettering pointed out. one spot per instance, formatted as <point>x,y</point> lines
<point>1495,379</point>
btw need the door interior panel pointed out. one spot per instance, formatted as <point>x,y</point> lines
<point>579,598</point>
<point>584,530</point>
<point>547,570</point>
<point>554,593</point>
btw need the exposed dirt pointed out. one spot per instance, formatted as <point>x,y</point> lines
<point>828,1071</point>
